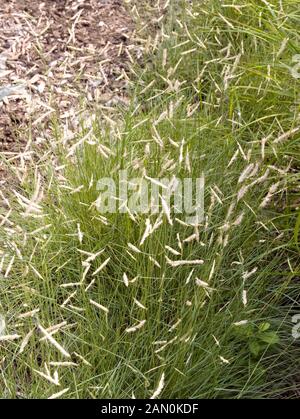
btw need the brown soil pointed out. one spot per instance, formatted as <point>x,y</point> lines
<point>54,54</point>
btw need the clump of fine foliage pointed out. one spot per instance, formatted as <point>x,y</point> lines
<point>217,96</point>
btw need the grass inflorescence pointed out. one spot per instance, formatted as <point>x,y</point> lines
<point>138,305</point>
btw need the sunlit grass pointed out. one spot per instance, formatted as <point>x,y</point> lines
<point>216,98</point>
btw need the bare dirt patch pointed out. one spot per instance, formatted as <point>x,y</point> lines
<point>54,54</point>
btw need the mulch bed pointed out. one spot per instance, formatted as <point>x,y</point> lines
<point>57,56</point>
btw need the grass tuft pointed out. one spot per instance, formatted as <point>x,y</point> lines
<point>95,307</point>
